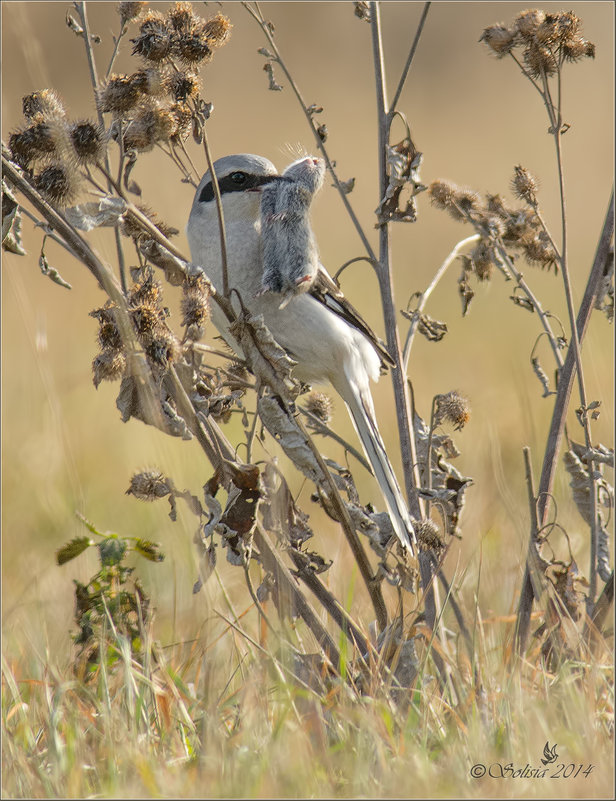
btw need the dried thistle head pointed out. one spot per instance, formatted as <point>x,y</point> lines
<point>151,124</point>
<point>500,39</point>
<point>109,365</point>
<point>429,536</point>
<point>496,205</point>
<point>578,48</point>
<point>452,407</point>
<point>43,104</point>
<point>59,183</point>
<point>182,17</point>
<point>524,185</point>
<point>149,485</point>
<point>540,60</point>
<point>320,405</point>
<point>217,30</point>
<point>161,348</point>
<point>146,291</point>
<point>88,140</point>
<point>183,120</point>
<point>155,41</point>
<point>31,144</point>
<point>483,257</point>
<point>133,229</point>
<point>130,10</point>
<point>527,22</point>
<point>195,307</point>
<point>151,81</point>
<point>183,85</point>
<point>521,225</point>
<point>539,250</point>
<point>120,94</point>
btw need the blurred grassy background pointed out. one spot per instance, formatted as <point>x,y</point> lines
<point>474,118</point>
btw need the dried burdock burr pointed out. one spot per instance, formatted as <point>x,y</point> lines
<point>155,41</point>
<point>59,183</point>
<point>149,485</point>
<point>499,39</point>
<point>320,405</point>
<point>88,141</point>
<point>452,407</point>
<point>43,104</point>
<point>130,10</point>
<point>109,365</point>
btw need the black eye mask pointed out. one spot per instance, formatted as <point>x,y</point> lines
<point>228,184</point>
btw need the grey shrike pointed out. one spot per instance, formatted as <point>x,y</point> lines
<point>319,328</point>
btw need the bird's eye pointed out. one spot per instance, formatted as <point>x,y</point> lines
<point>238,177</point>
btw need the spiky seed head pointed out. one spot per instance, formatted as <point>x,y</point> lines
<point>496,205</point>
<point>183,85</point>
<point>539,250</point>
<point>442,193</point>
<point>120,94</point>
<point>217,30</point>
<point>568,26</point>
<point>130,10</point>
<point>540,60</point>
<point>109,365</point>
<point>149,485</point>
<point>320,405</point>
<point>195,310</point>
<point>109,335</point>
<point>521,225</point>
<point>147,320</point>
<point>153,123</point>
<point>162,348</point>
<point>151,81</point>
<point>182,17</point>
<point>547,32</point>
<point>193,46</point>
<point>32,144</point>
<point>499,39</point>
<point>577,48</point>
<point>43,104</point>
<point>483,257</point>
<point>146,291</point>
<point>183,120</point>
<point>155,41</point>
<point>527,22</point>
<point>524,185</point>
<point>89,141</point>
<point>454,408</point>
<point>59,183</point>
<point>429,536</point>
<point>467,200</point>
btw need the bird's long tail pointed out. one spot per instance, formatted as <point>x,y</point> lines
<point>359,401</point>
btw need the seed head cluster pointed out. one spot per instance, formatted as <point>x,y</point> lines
<point>498,223</point>
<point>152,104</point>
<point>546,41</point>
<point>320,405</point>
<point>429,536</point>
<point>149,485</point>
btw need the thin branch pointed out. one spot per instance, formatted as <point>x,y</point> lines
<point>426,294</point>
<point>258,17</point>
<point>409,60</point>
<point>561,403</point>
<point>385,275</point>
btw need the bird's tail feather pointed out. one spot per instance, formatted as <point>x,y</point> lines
<point>359,402</point>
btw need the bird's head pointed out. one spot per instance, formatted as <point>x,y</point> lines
<point>240,179</point>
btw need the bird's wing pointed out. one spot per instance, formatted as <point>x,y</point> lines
<point>326,291</point>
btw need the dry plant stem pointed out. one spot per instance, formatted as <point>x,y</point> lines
<point>81,9</point>
<point>260,19</point>
<point>561,405</point>
<point>331,604</point>
<point>373,585</point>
<point>409,61</point>
<point>221,218</point>
<point>321,428</point>
<point>287,585</point>
<point>385,276</point>
<point>594,532</point>
<point>426,294</point>
<point>115,49</point>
